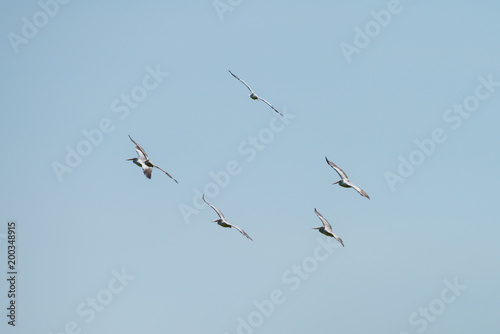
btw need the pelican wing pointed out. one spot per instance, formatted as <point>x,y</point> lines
<point>242,232</point>
<point>147,171</point>
<point>269,104</point>
<point>140,151</point>
<point>338,239</point>
<point>166,173</point>
<point>359,190</point>
<point>337,169</point>
<point>250,89</point>
<point>221,216</point>
<point>327,225</point>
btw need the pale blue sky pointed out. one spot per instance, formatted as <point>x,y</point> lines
<point>104,219</point>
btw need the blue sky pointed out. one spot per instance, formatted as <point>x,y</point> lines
<point>411,116</point>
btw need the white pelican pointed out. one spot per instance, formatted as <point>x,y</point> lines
<point>144,162</point>
<point>253,96</point>
<point>222,220</point>
<point>326,229</point>
<point>345,180</point>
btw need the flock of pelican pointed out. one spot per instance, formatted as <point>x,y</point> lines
<point>147,168</point>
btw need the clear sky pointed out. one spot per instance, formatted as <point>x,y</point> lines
<point>404,96</point>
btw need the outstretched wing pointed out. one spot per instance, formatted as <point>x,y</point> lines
<point>337,169</point>
<point>250,89</point>
<point>269,104</point>
<point>327,225</point>
<point>166,173</point>
<point>221,216</point>
<point>140,151</point>
<point>359,190</point>
<point>242,232</point>
<point>338,239</point>
<point>147,171</point>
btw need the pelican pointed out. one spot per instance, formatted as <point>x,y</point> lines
<point>253,96</point>
<point>326,229</point>
<point>144,162</point>
<point>345,180</point>
<point>222,220</point>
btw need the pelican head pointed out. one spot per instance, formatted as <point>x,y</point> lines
<point>135,161</point>
<point>253,96</point>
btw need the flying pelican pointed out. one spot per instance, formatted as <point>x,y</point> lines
<point>326,229</point>
<point>222,220</point>
<point>144,162</point>
<point>345,180</point>
<point>253,96</point>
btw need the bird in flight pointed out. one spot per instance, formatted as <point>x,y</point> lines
<point>326,229</point>
<point>144,162</point>
<point>253,96</point>
<point>222,220</point>
<point>345,182</point>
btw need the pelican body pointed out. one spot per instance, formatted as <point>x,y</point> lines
<point>222,220</point>
<point>326,229</point>
<point>144,162</point>
<point>344,181</point>
<point>254,96</point>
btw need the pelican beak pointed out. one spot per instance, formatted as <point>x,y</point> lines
<point>316,228</point>
<point>129,159</point>
<point>335,182</point>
